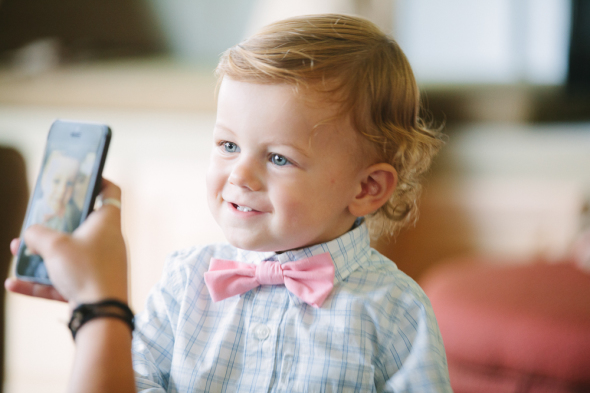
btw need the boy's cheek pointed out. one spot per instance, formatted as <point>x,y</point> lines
<point>69,193</point>
<point>214,180</point>
<point>287,198</point>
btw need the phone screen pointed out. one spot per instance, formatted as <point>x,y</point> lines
<point>66,187</point>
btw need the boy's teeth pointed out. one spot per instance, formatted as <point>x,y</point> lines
<point>244,208</point>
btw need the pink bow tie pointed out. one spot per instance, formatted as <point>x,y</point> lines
<point>310,279</point>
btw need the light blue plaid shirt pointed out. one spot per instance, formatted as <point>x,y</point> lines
<point>376,332</point>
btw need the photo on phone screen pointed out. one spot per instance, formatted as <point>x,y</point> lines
<point>66,187</point>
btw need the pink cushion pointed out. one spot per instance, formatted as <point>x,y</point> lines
<point>531,319</point>
<point>467,378</point>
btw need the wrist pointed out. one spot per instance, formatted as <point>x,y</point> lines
<point>96,295</point>
<point>107,308</point>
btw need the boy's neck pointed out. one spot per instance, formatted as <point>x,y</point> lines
<point>357,223</point>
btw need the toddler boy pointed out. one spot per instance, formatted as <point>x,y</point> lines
<point>317,143</point>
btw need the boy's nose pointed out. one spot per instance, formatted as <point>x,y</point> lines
<point>246,173</point>
<point>60,189</point>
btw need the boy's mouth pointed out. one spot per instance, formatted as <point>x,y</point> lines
<point>242,208</point>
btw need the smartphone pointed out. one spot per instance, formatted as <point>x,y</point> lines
<point>66,187</point>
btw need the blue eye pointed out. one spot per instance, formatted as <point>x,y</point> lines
<point>279,160</point>
<point>230,147</point>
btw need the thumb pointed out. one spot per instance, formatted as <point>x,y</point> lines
<point>44,241</point>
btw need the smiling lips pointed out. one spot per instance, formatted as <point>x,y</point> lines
<point>243,209</point>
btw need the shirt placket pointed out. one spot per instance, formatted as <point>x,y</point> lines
<point>286,350</point>
<point>268,306</point>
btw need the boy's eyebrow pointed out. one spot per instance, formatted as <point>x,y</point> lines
<point>299,150</point>
<point>217,125</point>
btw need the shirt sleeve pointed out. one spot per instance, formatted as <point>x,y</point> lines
<point>153,340</point>
<point>415,353</point>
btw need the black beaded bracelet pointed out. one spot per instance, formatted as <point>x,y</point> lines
<point>109,308</point>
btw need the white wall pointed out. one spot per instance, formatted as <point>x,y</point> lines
<point>485,41</point>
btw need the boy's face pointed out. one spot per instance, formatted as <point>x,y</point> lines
<point>274,182</point>
<point>58,182</point>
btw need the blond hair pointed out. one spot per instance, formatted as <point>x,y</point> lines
<point>365,71</point>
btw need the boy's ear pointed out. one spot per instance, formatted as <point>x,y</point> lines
<point>377,184</point>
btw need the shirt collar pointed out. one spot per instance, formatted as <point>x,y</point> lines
<point>349,252</point>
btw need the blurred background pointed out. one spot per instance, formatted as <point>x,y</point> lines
<point>508,79</point>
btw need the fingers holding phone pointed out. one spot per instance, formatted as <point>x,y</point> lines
<point>90,264</point>
<point>34,289</point>
<point>86,266</point>
<point>30,288</point>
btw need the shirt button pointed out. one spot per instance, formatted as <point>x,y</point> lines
<point>261,332</point>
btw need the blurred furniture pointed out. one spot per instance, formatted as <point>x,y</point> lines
<point>462,104</point>
<point>80,30</point>
<point>460,216</point>
<point>13,204</point>
<point>513,327</point>
<point>578,78</point>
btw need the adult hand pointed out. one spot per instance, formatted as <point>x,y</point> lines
<point>29,288</point>
<point>87,266</point>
